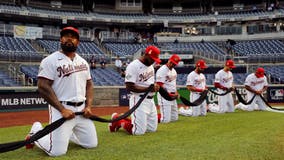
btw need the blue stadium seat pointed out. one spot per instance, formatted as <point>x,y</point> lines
<point>6,81</point>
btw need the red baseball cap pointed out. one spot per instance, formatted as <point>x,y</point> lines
<point>154,53</point>
<point>259,72</point>
<point>174,59</point>
<point>230,63</point>
<point>69,30</point>
<point>201,63</point>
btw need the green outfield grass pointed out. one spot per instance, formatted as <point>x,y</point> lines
<point>240,135</point>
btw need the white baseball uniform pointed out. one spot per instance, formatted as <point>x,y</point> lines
<point>69,84</point>
<point>168,109</point>
<point>144,118</point>
<point>256,84</point>
<point>197,80</point>
<point>225,102</point>
<point>185,111</point>
<point>213,107</point>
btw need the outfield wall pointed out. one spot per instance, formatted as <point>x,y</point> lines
<point>27,98</point>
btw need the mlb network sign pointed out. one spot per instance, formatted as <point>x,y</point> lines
<point>21,101</point>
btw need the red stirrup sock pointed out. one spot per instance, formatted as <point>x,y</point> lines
<point>159,117</point>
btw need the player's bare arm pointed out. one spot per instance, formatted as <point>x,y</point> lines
<point>194,89</point>
<point>264,89</point>
<point>46,91</point>
<point>175,95</point>
<point>252,90</point>
<point>218,85</point>
<point>89,99</point>
<point>156,87</point>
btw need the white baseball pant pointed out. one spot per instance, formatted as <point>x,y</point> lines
<point>168,109</point>
<point>144,118</point>
<point>80,130</point>
<point>200,110</point>
<point>226,103</point>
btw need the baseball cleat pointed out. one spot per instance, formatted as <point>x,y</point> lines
<point>35,128</point>
<point>30,145</point>
<point>114,126</point>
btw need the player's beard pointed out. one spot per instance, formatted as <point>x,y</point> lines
<point>200,70</point>
<point>148,62</point>
<point>68,47</point>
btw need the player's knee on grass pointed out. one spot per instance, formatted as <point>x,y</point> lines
<point>91,145</point>
<point>165,121</point>
<point>57,153</point>
<point>174,119</point>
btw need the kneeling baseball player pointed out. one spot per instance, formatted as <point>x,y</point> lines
<point>139,76</point>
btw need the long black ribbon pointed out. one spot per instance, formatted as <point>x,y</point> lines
<point>219,94</point>
<point>51,127</point>
<point>240,98</point>
<point>18,144</point>
<point>264,100</point>
<point>126,114</point>
<point>197,102</point>
<point>249,102</point>
<point>164,93</point>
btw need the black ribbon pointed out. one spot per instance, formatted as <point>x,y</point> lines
<point>164,93</point>
<point>249,102</point>
<point>220,94</point>
<point>18,144</point>
<point>264,100</point>
<point>51,127</point>
<point>197,102</point>
<point>240,98</point>
<point>126,114</point>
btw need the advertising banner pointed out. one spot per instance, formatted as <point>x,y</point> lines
<point>27,32</point>
<point>124,97</point>
<point>275,94</point>
<point>11,101</point>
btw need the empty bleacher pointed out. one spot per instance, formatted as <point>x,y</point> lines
<point>106,77</point>
<point>275,73</point>
<point>124,49</point>
<point>84,47</point>
<point>18,49</point>
<point>259,47</point>
<point>6,80</point>
<point>30,71</point>
<point>256,50</point>
<point>260,51</point>
<point>128,17</point>
<point>208,47</point>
